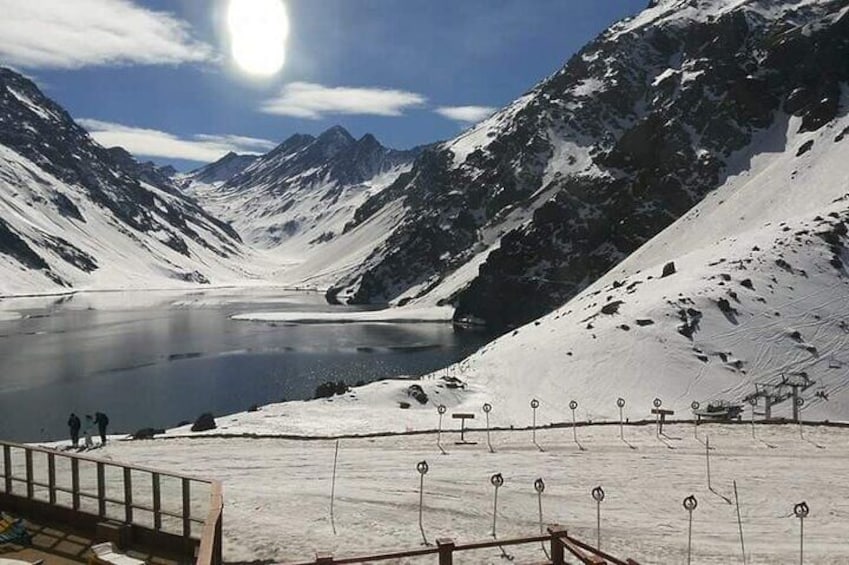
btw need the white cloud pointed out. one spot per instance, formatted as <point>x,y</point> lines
<point>155,143</point>
<point>71,34</point>
<point>467,114</point>
<point>314,101</point>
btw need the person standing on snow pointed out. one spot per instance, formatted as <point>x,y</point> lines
<point>102,420</point>
<point>74,427</point>
<point>89,423</point>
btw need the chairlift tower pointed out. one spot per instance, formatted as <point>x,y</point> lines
<point>788,387</point>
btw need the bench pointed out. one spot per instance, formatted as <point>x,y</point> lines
<point>463,416</point>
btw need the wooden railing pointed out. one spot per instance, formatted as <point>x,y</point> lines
<point>89,490</point>
<point>209,552</point>
<point>559,544</point>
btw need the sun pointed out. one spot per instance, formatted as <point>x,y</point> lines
<point>258,32</point>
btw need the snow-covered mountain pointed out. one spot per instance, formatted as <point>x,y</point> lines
<point>215,173</point>
<point>302,193</point>
<point>748,287</point>
<point>523,211</point>
<point>75,214</point>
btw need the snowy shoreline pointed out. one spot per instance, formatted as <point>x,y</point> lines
<point>393,315</point>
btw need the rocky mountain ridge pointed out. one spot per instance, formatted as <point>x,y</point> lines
<point>301,193</point>
<point>640,125</point>
<point>75,214</point>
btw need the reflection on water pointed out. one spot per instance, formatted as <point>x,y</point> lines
<point>154,359</point>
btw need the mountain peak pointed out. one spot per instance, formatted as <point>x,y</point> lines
<point>336,133</point>
<point>369,140</point>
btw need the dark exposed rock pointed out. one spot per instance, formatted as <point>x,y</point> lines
<point>784,265</point>
<point>147,433</point>
<point>330,389</point>
<point>668,269</point>
<point>453,382</point>
<point>417,393</point>
<point>807,146</point>
<point>611,307</point>
<point>690,318</point>
<point>13,245</point>
<point>205,422</point>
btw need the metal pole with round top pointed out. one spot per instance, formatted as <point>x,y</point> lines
<point>487,408</point>
<point>801,511</point>
<point>598,496</point>
<point>441,409</point>
<point>690,504</point>
<point>497,481</point>
<point>620,402</point>
<point>422,468</point>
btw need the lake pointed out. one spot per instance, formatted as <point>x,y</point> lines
<point>154,359</point>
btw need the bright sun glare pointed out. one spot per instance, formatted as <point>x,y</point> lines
<point>258,32</point>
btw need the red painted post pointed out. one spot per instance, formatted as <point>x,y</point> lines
<point>556,549</point>
<point>446,551</point>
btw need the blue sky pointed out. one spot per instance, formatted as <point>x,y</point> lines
<point>157,76</point>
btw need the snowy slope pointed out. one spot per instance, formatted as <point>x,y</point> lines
<point>771,242</point>
<point>376,502</point>
<point>76,215</point>
<point>552,191</point>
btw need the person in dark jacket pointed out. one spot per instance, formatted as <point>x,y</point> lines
<point>102,420</point>
<point>74,426</point>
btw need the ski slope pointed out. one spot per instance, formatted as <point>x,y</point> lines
<point>277,491</point>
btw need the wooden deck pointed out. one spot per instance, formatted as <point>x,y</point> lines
<point>64,546</point>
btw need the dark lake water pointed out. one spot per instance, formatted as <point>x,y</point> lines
<point>155,359</point>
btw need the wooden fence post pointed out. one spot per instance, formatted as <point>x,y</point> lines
<point>556,549</point>
<point>7,468</point>
<point>101,489</point>
<point>157,502</point>
<point>30,486</point>
<point>51,477</point>
<point>446,551</point>
<point>187,508</point>
<point>75,483</point>
<point>128,495</point>
<point>218,557</point>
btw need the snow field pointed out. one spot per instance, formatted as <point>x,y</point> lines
<point>277,491</point>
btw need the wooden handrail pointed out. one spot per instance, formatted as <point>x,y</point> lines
<point>209,550</point>
<point>557,538</point>
<point>107,462</point>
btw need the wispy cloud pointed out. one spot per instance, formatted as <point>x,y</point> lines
<point>314,101</point>
<point>203,148</point>
<point>77,33</point>
<point>465,114</point>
